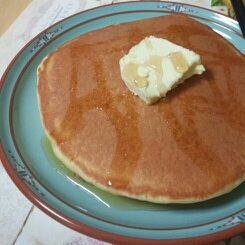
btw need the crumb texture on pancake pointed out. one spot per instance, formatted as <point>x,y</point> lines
<point>186,148</point>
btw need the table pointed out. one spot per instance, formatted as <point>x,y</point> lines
<point>20,221</point>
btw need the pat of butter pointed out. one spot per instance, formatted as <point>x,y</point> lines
<point>155,66</point>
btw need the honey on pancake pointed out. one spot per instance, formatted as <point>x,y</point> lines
<point>186,148</point>
<point>123,161</point>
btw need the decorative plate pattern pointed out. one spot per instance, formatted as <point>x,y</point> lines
<point>28,160</point>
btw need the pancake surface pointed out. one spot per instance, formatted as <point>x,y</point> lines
<point>186,148</point>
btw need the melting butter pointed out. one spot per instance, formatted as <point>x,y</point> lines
<point>131,71</point>
<point>155,66</point>
<point>179,62</point>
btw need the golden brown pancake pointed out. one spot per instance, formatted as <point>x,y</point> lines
<point>186,148</point>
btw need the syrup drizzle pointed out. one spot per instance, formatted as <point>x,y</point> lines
<point>154,62</point>
<point>223,101</point>
<point>124,159</point>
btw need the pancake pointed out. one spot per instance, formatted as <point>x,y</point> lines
<point>186,148</point>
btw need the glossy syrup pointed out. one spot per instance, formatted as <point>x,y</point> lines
<point>189,113</point>
<point>155,62</point>
<point>111,201</point>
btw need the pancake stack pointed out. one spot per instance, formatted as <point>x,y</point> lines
<point>186,148</point>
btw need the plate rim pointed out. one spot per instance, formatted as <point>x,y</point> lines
<point>104,235</point>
